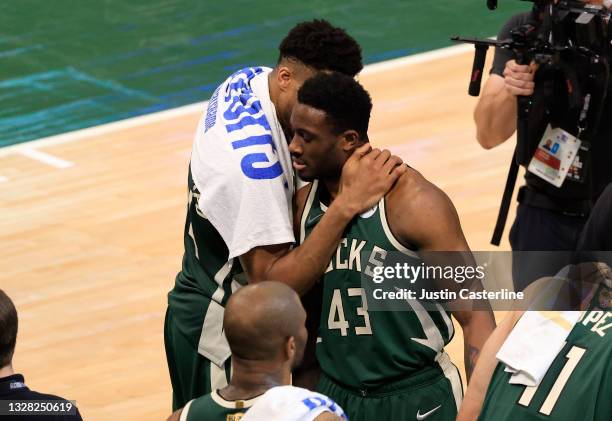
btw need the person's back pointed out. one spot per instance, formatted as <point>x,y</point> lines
<point>19,399</point>
<point>596,233</point>
<point>16,399</point>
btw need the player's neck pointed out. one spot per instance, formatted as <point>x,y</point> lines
<point>273,88</point>
<point>251,379</point>
<point>6,371</point>
<point>332,185</point>
<point>274,92</point>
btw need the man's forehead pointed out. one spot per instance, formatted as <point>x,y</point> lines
<point>304,113</point>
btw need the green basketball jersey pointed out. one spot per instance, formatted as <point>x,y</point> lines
<point>578,384</point>
<point>213,407</point>
<point>364,349</point>
<point>204,284</point>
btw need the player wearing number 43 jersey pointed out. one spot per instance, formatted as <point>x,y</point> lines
<point>576,386</point>
<point>376,365</point>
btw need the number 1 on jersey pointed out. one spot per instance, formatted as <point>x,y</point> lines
<point>573,358</point>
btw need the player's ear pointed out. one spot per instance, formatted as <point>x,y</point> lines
<point>290,348</point>
<point>284,77</point>
<point>350,140</point>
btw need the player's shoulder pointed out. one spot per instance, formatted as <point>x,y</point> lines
<point>413,192</point>
<point>417,210</point>
<point>302,194</point>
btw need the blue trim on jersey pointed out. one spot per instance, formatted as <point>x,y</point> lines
<point>315,402</point>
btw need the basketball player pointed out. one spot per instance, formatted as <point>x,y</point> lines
<point>241,184</point>
<point>576,386</point>
<point>265,327</point>
<point>376,365</point>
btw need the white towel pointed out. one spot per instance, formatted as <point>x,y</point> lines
<point>534,343</point>
<point>539,336</point>
<point>241,165</point>
<point>290,403</point>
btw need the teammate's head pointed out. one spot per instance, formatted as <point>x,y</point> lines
<point>321,46</point>
<point>8,329</point>
<point>329,121</point>
<point>265,322</point>
<point>309,48</point>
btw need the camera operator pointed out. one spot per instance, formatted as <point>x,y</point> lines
<point>548,218</point>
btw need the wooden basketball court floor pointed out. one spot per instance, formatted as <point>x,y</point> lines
<point>91,229</point>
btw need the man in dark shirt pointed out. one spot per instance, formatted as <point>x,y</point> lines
<point>597,233</point>
<point>15,397</point>
<point>548,218</point>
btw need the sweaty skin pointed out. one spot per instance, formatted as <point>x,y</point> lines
<point>419,213</point>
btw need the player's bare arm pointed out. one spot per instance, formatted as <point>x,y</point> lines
<point>366,177</point>
<point>421,214</point>
<point>328,416</point>
<point>477,389</point>
<point>176,415</point>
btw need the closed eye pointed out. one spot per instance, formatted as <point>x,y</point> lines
<point>306,136</point>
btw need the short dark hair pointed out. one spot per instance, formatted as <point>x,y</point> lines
<point>346,103</point>
<point>8,329</point>
<point>322,46</point>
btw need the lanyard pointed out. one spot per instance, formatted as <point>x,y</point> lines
<point>582,121</point>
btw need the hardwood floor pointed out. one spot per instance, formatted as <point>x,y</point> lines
<point>90,250</point>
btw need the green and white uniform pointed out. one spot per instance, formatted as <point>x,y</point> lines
<point>384,364</point>
<point>578,384</point>
<point>240,190</point>
<point>213,407</point>
<point>196,349</point>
